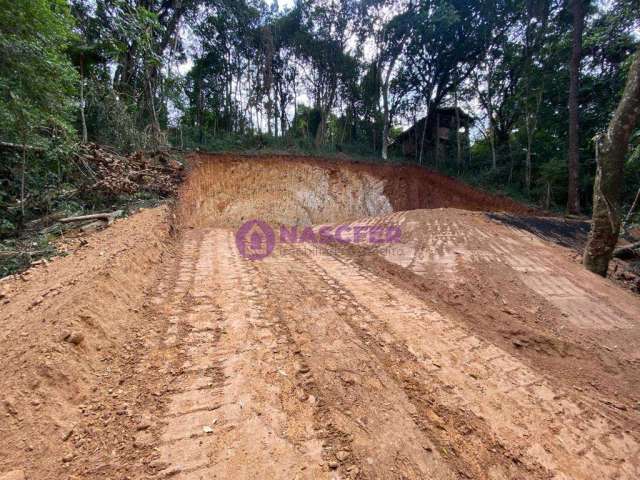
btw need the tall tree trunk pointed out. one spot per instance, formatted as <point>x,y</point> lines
<point>319,139</point>
<point>531,124</point>
<point>82,117</point>
<point>155,124</point>
<point>200,110</point>
<point>283,113</point>
<point>573,200</point>
<point>385,109</point>
<point>325,111</point>
<point>437,139</point>
<point>458,140</point>
<point>510,179</point>
<point>23,174</point>
<point>528,163</point>
<point>385,119</point>
<point>492,142</point>
<point>611,149</point>
<point>424,132</point>
<point>492,129</point>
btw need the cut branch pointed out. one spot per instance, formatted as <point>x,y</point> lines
<point>109,217</point>
<point>628,251</point>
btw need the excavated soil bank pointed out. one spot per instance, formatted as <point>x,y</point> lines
<point>72,332</point>
<point>226,190</point>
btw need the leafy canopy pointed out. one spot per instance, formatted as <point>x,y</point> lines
<point>37,80</point>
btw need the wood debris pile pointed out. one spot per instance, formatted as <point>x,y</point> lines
<point>110,173</point>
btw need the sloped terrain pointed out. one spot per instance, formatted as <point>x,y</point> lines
<point>471,348</point>
<point>72,334</point>
<point>227,190</point>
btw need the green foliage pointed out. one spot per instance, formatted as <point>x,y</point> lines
<point>322,77</point>
<point>16,255</point>
<point>112,120</point>
<point>37,101</point>
<point>37,81</point>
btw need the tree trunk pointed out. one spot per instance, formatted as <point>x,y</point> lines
<point>325,111</point>
<point>511,165</point>
<point>82,117</point>
<point>23,174</point>
<point>385,120</point>
<point>573,200</point>
<point>611,149</point>
<point>547,197</point>
<point>385,109</point>
<point>458,140</point>
<point>283,114</point>
<point>492,142</point>
<point>531,125</point>
<point>437,139</point>
<point>155,125</point>
<point>492,130</point>
<point>424,132</point>
<point>319,139</point>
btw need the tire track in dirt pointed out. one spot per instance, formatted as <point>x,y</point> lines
<point>364,418</point>
<point>224,418</point>
<point>462,237</point>
<point>565,288</point>
<point>524,295</point>
<point>457,435</point>
<point>537,423</point>
<point>195,395</point>
<point>307,365</point>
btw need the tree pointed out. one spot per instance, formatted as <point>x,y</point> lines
<point>390,33</point>
<point>321,42</point>
<point>611,149</point>
<point>447,40</point>
<point>573,197</point>
<point>138,40</point>
<point>495,86</point>
<point>37,80</point>
<point>393,43</point>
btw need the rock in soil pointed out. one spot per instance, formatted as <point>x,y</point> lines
<point>75,338</point>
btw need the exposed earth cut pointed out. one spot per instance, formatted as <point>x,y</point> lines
<point>469,348</point>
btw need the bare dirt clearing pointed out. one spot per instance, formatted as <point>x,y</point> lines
<point>471,349</point>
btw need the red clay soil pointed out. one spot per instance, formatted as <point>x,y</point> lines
<point>72,335</point>
<point>470,349</point>
<point>308,190</point>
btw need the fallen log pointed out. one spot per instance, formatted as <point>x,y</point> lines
<point>628,251</point>
<point>17,146</point>
<point>93,226</point>
<point>108,217</point>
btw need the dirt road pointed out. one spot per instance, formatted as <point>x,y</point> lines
<point>306,365</point>
<point>470,349</point>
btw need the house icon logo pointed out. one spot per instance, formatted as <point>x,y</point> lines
<point>255,240</point>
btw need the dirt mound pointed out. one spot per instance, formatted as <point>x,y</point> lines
<point>226,190</point>
<point>70,333</point>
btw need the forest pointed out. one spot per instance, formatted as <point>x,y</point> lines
<point>538,80</point>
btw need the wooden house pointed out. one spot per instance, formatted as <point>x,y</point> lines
<point>436,134</point>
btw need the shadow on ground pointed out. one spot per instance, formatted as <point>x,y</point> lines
<point>568,233</point>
